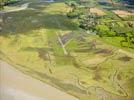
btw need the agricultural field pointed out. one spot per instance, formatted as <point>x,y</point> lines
<point>46,41</point>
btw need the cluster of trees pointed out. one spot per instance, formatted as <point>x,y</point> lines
<point>2,4</point>
<point>6,2</point>
<point>88,21</point>
<point>93,22</point>
<point>81,11</point>
<point>120,29</point>
<point>75,12</point>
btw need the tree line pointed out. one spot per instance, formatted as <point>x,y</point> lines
<point>104,26</point>
<point>7,2</point>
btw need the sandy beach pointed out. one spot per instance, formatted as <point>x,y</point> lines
<point>15,85</point>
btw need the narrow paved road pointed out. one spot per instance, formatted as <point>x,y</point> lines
<point>15,85</point>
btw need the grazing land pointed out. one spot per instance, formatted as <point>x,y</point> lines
<point>58,45</point>
<point>97,11</point>
<point>123,13</point>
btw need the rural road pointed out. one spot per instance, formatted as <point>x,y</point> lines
<point>22,7</point>
<point>15,85</point>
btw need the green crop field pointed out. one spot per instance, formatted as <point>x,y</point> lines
<point>30,41</point>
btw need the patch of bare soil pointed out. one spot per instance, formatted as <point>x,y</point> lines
<point>43,55</point>
<point>125,58</point>
<point>123,13</point>
<point>97,11</point>
<point>103,51</point>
